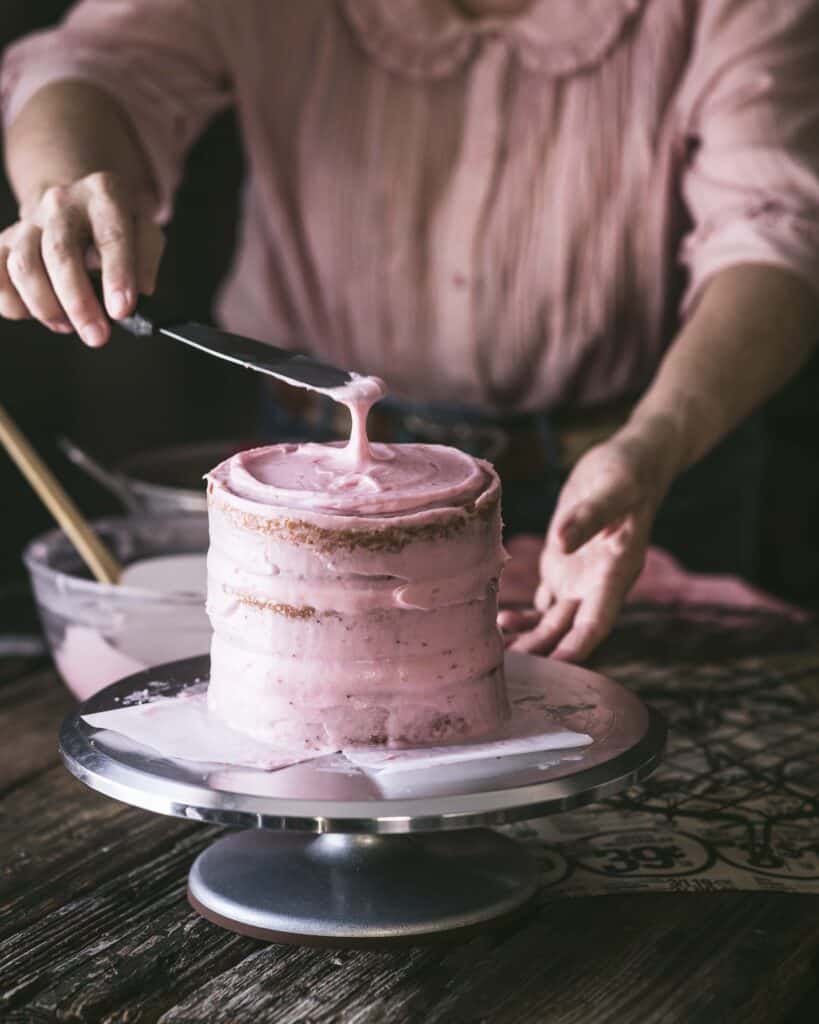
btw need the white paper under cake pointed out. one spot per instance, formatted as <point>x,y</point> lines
<point>182,728</point>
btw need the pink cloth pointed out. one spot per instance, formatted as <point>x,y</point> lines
<point>488,210</point>
<point>663,581</point>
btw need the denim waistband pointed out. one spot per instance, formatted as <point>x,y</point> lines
<point>454,412</point>
<point>473,430</point>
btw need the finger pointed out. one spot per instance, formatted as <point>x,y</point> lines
<point>592,624</point>
<point>28,274</point>
<point>64,243</point>
<point>587,518</point>
<point>525,615</point>
<point>549,631</point>
<point>12,306</point>
<point>544,598</point>
<point>113,231</point>
<point>520,621</point>
<point>150,246</point>
<point>516,620</point>
<point>579,643</point>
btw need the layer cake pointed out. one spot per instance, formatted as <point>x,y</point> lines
<point>353,595</point>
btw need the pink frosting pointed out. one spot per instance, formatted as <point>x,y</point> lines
<point>359,478</point>
<point>359,394</point>
<point>328,477</point>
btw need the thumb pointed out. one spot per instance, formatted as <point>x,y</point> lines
<point>586,518</point>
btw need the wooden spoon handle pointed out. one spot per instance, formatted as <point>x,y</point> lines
<point>94,553</point>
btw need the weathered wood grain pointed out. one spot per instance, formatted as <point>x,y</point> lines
<point>651,959</point>
<point>94,927</point>
<point>40,702</point>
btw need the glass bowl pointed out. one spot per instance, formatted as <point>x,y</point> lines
<point>98,632</point>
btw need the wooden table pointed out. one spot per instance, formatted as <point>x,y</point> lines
<point>94,925</point>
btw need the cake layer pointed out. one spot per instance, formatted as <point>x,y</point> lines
<point>401,650</point>
<point>366,563</point>
<point>249,551</point>
<point>471,708</point>
<point>355,591</point>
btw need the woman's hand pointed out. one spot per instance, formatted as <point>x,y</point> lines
<point>45,257</point>
<point>595,545</point>
<point>752,328</point>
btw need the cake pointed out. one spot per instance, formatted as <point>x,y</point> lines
<point>353,595</point>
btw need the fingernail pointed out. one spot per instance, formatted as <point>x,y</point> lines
<point>94,334</point>
<point>120,302</point>
<point>59,326</point>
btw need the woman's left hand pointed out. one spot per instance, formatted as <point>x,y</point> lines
<point>595,545</point>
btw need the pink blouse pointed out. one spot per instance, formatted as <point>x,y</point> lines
<point>510,212</point>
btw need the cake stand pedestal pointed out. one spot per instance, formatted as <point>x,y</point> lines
<point>327,858</point>
<point>342,889</point>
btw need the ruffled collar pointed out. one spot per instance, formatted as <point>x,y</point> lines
<point>430,39</point>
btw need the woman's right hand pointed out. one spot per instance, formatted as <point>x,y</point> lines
<point>45,257</point>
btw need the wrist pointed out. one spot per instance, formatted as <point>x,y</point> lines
<point>660,445</point>
<point>681,424</point>
<point>66,132</point>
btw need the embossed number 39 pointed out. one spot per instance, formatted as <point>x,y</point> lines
<point>625,860</point>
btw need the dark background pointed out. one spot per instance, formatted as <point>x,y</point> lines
<point>139,394</point>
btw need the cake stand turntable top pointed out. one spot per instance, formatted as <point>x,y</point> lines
<point>317,797</point>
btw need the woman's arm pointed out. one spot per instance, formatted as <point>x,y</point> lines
<point>99,113</point>
<point>66,131</point>
<point>747,114</point>
<point>82,182</point>
<point>752,329</point>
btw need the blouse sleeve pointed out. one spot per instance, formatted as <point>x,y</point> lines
<point>158,59</point>
<point>750,107</point>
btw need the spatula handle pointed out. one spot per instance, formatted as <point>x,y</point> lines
<point>149,316</point>
<point>139,324</point>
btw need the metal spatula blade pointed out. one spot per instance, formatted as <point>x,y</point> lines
<point>291,367</point>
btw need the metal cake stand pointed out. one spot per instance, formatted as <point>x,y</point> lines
<point>326,858</point>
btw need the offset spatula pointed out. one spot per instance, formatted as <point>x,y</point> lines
<point>291,367</point>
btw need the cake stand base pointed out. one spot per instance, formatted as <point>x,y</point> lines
<point>360,890</point>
